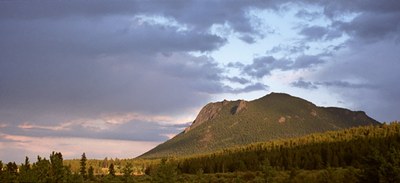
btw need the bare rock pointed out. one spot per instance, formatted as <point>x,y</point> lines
<point>208,112</point>
<point>240,107</point>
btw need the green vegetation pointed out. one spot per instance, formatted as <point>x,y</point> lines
<point>275,116</point>
<point>361,154</point>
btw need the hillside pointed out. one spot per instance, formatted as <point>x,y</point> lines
<point>275,116</point>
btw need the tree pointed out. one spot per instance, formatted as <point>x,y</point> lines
<point>41,170</point>
<point>25,171</point>
<point>268,171</point>
<point>166,172</point>
<point>12,168</point>
<point>91,173</point>
<point>128,170</point>
<point>111,170</point>
<point>82,169</point>
<point>57,171</point>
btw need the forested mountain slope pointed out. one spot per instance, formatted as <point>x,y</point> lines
<point>275,116</point>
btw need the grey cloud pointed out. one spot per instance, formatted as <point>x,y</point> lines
<point>253,87</point>
<point>303,84</point>
<point>306,61</point>
<point>375,19</point>
<point>263,66</point>
<point>294,48</point>
<point>133,130</point>
<point>339,84</point>
<point>248,88</point>
<point>68,88</point>
<point>117,35</point>
<point>373,26</point>
<point>304,14</point>
<point>315,33</point>
<point>240,80</point>
<point>236,65</point>
<point>376,67</point>
<point>200,15</point>
<point>344,84</point>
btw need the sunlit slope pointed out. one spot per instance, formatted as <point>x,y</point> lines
<point>274,116</point>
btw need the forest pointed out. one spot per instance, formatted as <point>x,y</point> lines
<point>359,154</point>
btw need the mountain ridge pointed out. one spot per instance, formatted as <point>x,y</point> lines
<point>274,116</point>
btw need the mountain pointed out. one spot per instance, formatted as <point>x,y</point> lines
<point>275,116</point>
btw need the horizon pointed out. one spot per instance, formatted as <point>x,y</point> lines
<point>115,79</point>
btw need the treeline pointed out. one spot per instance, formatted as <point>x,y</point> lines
<point>373,149</point>
<point>54,170</point>
<point>362,154</point>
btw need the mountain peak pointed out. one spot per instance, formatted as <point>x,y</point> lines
<point>274,116</point>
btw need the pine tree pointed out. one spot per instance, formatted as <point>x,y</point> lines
<point>82,169</point>
<point>128,169</point>
<point>57,171</point>
<point>91,173</point>
<point>111,170</point>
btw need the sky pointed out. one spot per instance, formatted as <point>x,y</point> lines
<point>116,78</point>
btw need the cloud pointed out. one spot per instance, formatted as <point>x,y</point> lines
<point>236,79</point>
<point>123,69</point>
<point>371,20</point>
<point>373,67</point>
<point>70,147</point>
<point>344,84</point>
<point>316,33</point>
<point>129,126</point>
<point>250,88</point>
<point>308,15</point>
<point>263,66</point>
<point>303,84</point>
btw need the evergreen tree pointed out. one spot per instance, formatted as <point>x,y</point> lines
<point>128,170</point>
<point>166,172</point>
<point>268,171</point>
<point>57,171</point>
<point>82,169</point>
<point>41,170</point>
<point>25,171</point>
<point>91,173</point>
<point>111,170</point>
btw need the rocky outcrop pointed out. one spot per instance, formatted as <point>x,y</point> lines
<point>208,112</point>
<point>240,107</point>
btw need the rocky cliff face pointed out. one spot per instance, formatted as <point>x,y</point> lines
<point>211,110</point>
<point>240,107</point>
<point>208,112</point>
